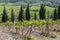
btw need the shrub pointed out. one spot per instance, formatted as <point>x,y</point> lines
<point>51,22</point>
<point>30,38</point>
<point>18,23</point>
<point>58,21</point>
<point>8,23</point>
<point>16,27</point>
<point>42,22</point>
<point>35,22</point>
<point>1,24</point>
<point>27,23</point>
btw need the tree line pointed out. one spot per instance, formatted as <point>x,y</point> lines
<point>42,14</point>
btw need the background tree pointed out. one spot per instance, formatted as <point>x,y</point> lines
<point>20,17</point>
<point>12,15</point>
<point>55,15</point>
<point>27,13</point>
<point>35,17</point>
<point>4,16</point>
<point>42,12</point>
<point>59,12</point>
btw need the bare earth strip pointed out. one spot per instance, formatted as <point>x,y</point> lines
<point>5,35</point>
<point>8,36</point>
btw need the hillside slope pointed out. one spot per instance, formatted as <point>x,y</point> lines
<point>46,2</point>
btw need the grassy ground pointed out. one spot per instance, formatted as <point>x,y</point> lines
<point>33,9</point>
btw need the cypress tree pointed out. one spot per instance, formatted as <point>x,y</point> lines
<point>12,15</point>
<point>4,16</point>
<point>55,15</point>
<point>35,17</point>
<point>20,17</point>
<point>27,13</point>
<point>42,12</point>
<point>59,12</point>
